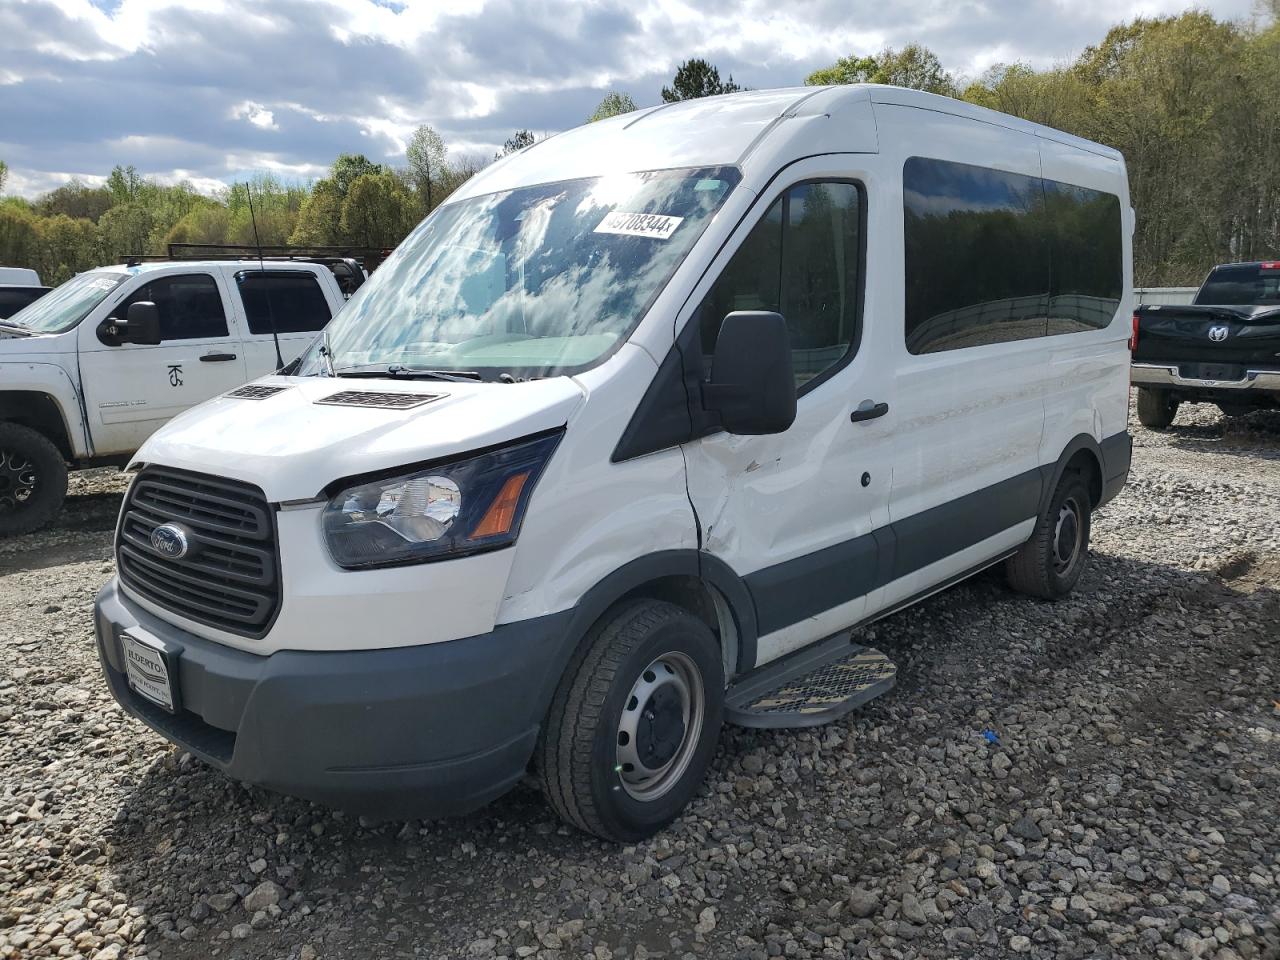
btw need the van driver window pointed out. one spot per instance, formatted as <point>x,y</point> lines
<point>190,306</point>
<point>803,260</point>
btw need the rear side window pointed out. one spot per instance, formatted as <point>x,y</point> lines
<point>977,263</point>
<point>1242,285</point>
<point>1085,255</point>
<point>803,259</point>
<point>292,301</point>
<point>190,306</point>
<point>993,257</point>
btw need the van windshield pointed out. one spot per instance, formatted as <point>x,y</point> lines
<point>66,305</point>
<point>528,282</point>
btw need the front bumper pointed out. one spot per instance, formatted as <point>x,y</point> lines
<point>1169,376</point>
<point>423,731</point>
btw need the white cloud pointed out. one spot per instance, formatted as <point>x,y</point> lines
<point>209,89</point>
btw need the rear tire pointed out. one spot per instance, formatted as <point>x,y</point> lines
<point>33,480</point>
<point>634,723</point>
<point>1156,409</point>
<point>1053,560</point>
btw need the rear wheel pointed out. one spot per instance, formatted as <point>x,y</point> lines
<point>635,722</point>
<point>1050,563</point>
<point>1156,408</point>
<point>33,480</point>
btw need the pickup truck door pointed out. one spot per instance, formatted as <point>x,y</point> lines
<point>291,300</point>
<point>132,390</point>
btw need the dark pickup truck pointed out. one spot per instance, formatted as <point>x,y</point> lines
<point>1224,348</point>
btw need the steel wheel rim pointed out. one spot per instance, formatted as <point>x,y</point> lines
<point>18,480</point>
<point>668,689</point>
<point>1068,533</point>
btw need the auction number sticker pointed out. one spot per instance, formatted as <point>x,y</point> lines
<point>653,225</point>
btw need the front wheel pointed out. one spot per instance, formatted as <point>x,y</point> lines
<point>33,480</point>
<point>634,724</point>
<point>1156,409</point>
<point>1050,563</point>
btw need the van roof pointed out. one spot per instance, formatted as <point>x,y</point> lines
<point>19,277</point>
<point>725,131</point>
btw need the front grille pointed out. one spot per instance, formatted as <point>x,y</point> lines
<point>386,401</point>
<point>229,577</point>
<point>255,392</point>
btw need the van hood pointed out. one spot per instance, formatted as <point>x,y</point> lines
<point>311,431</point>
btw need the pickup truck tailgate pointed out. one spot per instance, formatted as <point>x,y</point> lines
<point>1209,343</point>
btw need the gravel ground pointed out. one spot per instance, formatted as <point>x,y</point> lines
<point>1092,778</point>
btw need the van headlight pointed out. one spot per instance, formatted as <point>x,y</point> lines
<point>440,511</point>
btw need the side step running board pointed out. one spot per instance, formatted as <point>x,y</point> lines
<point>810,688</point>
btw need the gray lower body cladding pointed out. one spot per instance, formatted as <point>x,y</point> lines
<point>433,730</point>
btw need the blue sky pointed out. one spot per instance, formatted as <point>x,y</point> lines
<point>207,90</point>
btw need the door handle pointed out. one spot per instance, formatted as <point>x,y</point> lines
<point>868,411</point>
<point>217,357</point>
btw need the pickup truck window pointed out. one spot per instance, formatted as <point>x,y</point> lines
<point>1241,285</point>
<point>68,304</point>
<point>292,299</point>
<point>534,281</point>
<point>190,306</point>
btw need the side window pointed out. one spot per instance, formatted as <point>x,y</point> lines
<point>977,267</point>
<point>1086,257</point>
<point>190,306</point>
<point>293,300</point>
<point>803,259</point>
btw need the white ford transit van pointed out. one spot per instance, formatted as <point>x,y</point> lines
<point>622,441</point>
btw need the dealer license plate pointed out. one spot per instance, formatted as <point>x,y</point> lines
<point>147,670</point>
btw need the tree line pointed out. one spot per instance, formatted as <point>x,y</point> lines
<point>1189,100</point>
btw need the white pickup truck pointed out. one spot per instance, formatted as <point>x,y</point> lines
<point>92,369</point>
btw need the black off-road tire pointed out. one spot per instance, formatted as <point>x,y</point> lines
<point>576,758</point>
<point>1036,569</point>
<point>26,455</point>
<point>1156,409</point>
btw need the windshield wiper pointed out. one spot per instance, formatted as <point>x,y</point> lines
<point>411,373</point>
<point>15,328</point>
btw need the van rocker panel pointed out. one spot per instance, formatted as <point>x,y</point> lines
<point>434,730</point>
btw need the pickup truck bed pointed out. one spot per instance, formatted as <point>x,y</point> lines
<point>1207,353</point>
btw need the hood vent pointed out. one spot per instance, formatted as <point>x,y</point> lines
<point>381,401</point>
<point>252,392</point>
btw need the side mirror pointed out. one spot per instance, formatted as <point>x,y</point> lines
<point>142,326</point>
<point>752,385</point>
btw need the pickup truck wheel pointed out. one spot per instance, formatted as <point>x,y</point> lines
<point>1156,409</point>
<point>635,722</point>
<point>1050,563</point>
<point>33,480</point>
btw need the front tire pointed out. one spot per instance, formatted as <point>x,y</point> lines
<point>634,723</point>
<point>1053,560</point>
<point>33,480</point>
<point>1156,409</point>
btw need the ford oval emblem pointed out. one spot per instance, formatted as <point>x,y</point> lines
<point>170,541</point>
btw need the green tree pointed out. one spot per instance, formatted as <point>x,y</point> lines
<point>913,66</point>
<point>518,141</point>
<point>19,241</point>
<point>427,157</point>
<point>126,228</point>
<point>124,184</point>
<point>4,175</point>
<point>67,247</point>
<point>616,103</point>
<point>76,199</point>
<point>697,78</point>
<point>377,211</point>
<point>349,167</point>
